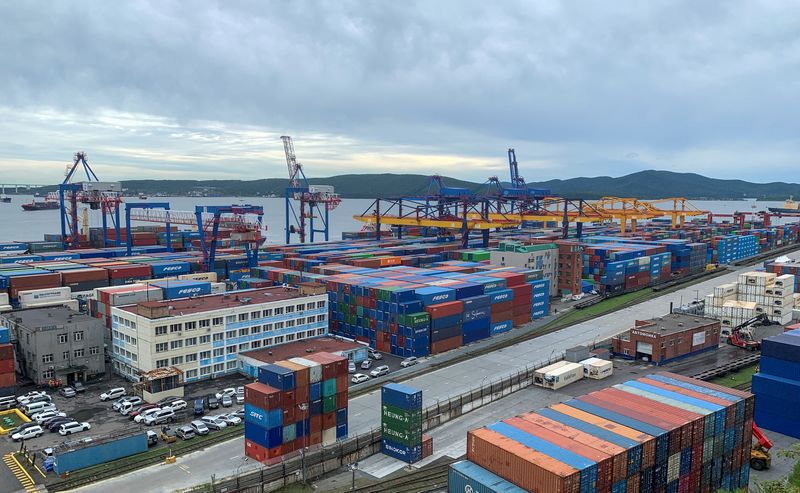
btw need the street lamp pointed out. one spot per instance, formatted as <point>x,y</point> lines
<point>304,407</point>
<point>353,468</point>
<point>239,467</point>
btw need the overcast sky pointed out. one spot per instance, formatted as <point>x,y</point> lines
<point>199,90</point>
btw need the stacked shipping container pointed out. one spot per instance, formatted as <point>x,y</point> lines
<point>777,384</point>
<point>295,404</point>
<point>661,433</point>
<point>8,375</point>
<point>401,422</point>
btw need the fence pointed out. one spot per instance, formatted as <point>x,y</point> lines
<point>324,460</point>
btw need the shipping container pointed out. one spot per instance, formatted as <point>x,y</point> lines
<point>466,476</point>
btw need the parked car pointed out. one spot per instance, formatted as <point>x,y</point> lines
<point>212,402</point>
<point>133,400</point>
<point>375,355</point>
<point>199,407</point>
<point>144,414</point>
<point>185,432</point>
<point>230,419</point>
<point>227,401</point>
<point>240,395</point>
<point>366,364</point>
<point>42,417</point>
<point>8,402</point>
<point>228,391</point>
<point>161,416</point>
<point>239,413</point>
<point>359,377</point>
<point>167,400</point>
<point>214,422</point>
<point>25,398</point>
<point>409,362</point>
<point>46,423</point>
<point>168,434</point>
<point>22,427</point>
<point>28,433</point>
<point>73,427</point>
<point>78,387</point>
<point>67,392</point>
<point>38,407</point>
<point>351,367</point>
<point>379,371</point>
<point>200,428</point>
<point>139,410</point>
<point>34,399</point>
<point>127,407</point>
<point>178,405</point>
<point>152,438</point>
<point>112,394</point>
<point>55,424</point>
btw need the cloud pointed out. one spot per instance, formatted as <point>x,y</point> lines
<point>161,90</point>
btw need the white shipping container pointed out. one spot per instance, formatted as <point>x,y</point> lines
<point>314,368</point>
<point>217,287</point>
<point>538,375</point>
<point>132,297</point>
<point>329,436</point>
<point>563,376</point>
<point>71,304</point>
<point>6,308</point>
<point>597,368</point>
<point>200,276</point>
<point>785,281</point>
<point>33,296</point>
<point>3,298</point>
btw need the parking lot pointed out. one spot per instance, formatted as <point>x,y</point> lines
<point>390,360</point>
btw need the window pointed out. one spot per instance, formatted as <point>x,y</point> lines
<point>299,308</point>
<point>230,349</point>
<point>267,313</point>
<point>65,355</point>
<point>255,329</point>
<point>205,354</point>
<point>244,316</point>
<point>255,315</point>
<point>205,323</point>
<point>191,373</point>
<point>161,347</point>
<point>230,334</point>
<point>680,340</point>
<point>320,318</point>
<point>320,304</point>
<point>176,344</point>
<point>191,341</point>
<point>219,336</point>
<point>279,311</point>
<point>255,344</point>
<point>62,338</point>
<point>279,340</point>
<point>114,334</point>
<point>217,321</point>
<point>289,337</point>
<point>219,352</point>
<point>289,323</point>
<point>625,352</point>
<point>244,347</point>
<point>289,309</point>
<point>301,321</point>
<point>267,327</point>
<point>79,353</point>
<point>278,325</point>
<point>177,360</point>
<point>300,335</point>
<point>663,344</point>
<point>320,332</point>
<point>174,328</point>
<point>310,306</point>
<point>671,342</point>
<point>191,325</point>
<point>133,341</point>
<point>268,341</point>
<point>230,319</point>
<point>231,365</point>
<point>94,350</point>
<point>161,330</point>
<point>115,318</point>
<point>78,335</point>
<point>191,357</point>
<point>134,357</point>
<point>133,325</point>
<point>205,370</point>
<point>244,332</point>
<point>48,374</point>
<point>162,363</point>
<point>205,339</point>
<point>219,367</point>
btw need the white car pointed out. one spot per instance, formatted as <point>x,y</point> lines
<point>374,355</point>
<point>28,433</point>
<point>366,364</point>
<point>199,427</point>
<point>351,367</point>
<point>73,427</point>
<point>178,405</point>
<point>381,370</point>
<point>230,391</point>
<point>132,400</point>
<point>214,422</point>
<point>25,398</point>
<point>409,362</point>
<point>239,395</point>
<point>112,394</point>
<point>359,377</point>
<point>230,419</point>
<point>139,418</point>
<point>44,416</point>
<point>159,417</point>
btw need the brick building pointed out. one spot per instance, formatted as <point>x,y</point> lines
<point>666,338</point>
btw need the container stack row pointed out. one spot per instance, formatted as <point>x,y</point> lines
<point>660,433</point>
<point>729,248</point>
<point>296,403</point>
<point>8,375</point>
<point>777,384</point>
<point>755,293</point>
<point>401,423</point>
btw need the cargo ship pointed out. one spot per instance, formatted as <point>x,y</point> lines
<point>5,199</point>
<point>789,205</point>
<point>48,204</point>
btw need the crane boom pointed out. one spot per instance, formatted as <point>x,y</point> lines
<point>291,160</point>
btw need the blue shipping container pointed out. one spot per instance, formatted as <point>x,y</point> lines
<point>402,396</point>
<point>402,452</point>
<point>276,376</point>
<point>468,476</point>
<point>81,458</point>
<point>501,327</point>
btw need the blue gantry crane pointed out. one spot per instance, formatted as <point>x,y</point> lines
<point>315,201</point>
<point>94,194</point>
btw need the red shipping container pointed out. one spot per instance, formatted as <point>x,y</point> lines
<point>315,423</point>
<point>521,319</point>
<point>8,380</point>
<point>501,316</point>
<point>329,420</point>
<point>441,310</point>
<point>341,399</point>
<point>513,279</point>
<point>290,413</point>
<point>315,438</point>
<point>522,291</point>
<point>262,396</point>
<point>274,452</point>
<point>6,352</point>
<point>447,344</point>
<point>521,309</point>
<point>127,271</point>
<point>523,301</point>
<point>501,307</point>
<point>301,394</point>
<point>82,275</point>
<point>427,445</point>
<point>341,383</point>
<point>254,450</point>
<point>6,366</point>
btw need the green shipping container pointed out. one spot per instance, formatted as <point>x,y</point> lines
<point>328,404</point>
<point>401,419</point>
<point>329,387</point>
<point>410,438</point>
<point>416,319</point>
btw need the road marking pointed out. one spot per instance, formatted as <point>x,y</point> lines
<point>185,468</point>
<point>21,474</point>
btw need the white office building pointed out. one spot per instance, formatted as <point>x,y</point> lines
<point>202,336</point>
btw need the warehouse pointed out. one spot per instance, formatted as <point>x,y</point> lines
<point>202,336</point>
<point>667,338</point>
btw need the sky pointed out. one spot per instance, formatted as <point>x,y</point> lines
<point>204,90</point>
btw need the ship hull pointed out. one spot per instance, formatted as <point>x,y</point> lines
<point>783,210</point>
<point>39,207</point>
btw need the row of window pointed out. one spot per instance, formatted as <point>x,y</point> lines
<point>77,353</point>
<point>125,337</point>
<point>125,353</point>
<point>76,336</point>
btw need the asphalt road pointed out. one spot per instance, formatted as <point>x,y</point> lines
<point>364,411</point>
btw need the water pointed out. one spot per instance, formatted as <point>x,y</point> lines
<point>19,225</point>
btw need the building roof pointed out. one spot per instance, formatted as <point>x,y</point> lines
<point>47,317</point>
<point>188,306</point>
<point>299,349</point>
<point>673,323</point>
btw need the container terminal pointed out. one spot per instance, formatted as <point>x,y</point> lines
<point>184,301</point>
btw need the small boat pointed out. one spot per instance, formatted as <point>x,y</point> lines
<point>789,206</point>
<point>5,199</point>
<point>142,196</point>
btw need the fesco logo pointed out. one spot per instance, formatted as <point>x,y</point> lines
<point>501,296</point>
<point>171,268</point>
<point>439,297</point>
<point>189,290</point>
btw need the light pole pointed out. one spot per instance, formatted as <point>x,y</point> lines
<point>353,468</point>
<point>304,407</point>
<point>239,467</point>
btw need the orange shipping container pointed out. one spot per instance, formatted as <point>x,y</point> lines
<point>526,468</point>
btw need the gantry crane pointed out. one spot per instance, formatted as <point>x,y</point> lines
<point>316,201</point>
<point>93,193</point>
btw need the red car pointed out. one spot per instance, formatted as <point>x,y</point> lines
<point>140,409</point>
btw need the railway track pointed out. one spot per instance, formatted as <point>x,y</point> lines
<point>428,480</point>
